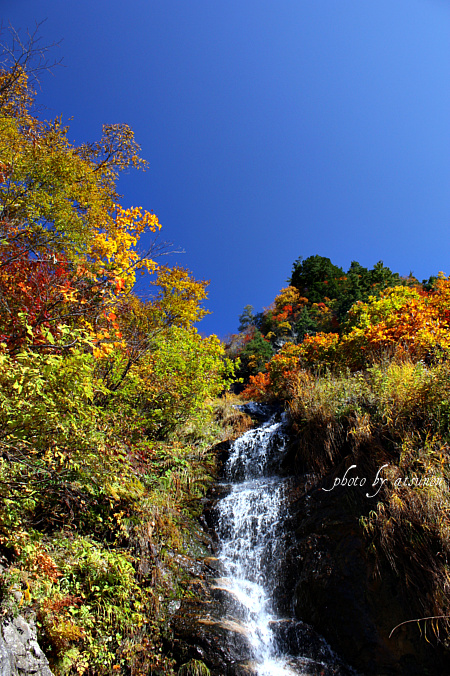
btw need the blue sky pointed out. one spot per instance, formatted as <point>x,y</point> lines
<point>273,129</point>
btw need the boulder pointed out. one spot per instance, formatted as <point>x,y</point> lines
<point>20,654</point>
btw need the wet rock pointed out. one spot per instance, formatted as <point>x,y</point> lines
<point>195,567</point>
<point>214,564</point>
<point>244,669</point>
<point>297,638</point>
<point>303,666</point>
<point>209,517</point>
<point>234,636</point>
<point>221,452</point>
<point>217,642</point>
<point>217,492</point>
<point>260,412</point>
<point>203,627</point>
<point>227,598</point>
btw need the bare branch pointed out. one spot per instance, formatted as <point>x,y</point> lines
<point>420,619</point>
<point>21,56</point>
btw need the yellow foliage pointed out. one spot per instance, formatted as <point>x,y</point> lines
<point>115,247</point>
<point>288,296</point>
<point>179,297</point>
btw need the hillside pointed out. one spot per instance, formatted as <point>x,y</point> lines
<point>360,361</point>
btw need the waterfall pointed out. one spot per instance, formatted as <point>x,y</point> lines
<point>250,529</point>
<point>249,523</point>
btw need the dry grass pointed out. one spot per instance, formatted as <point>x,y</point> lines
<point>231,422</point>
<point>397,414</point>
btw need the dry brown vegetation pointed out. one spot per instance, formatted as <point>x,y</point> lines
<point>396,415</point>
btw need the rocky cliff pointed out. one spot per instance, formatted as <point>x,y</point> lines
<point>20,654</point>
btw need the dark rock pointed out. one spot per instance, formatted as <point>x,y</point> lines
<point>297,638</point>
<point>217,642</point>
<point>227,599</point>
<point>221,452</point>
<point>203,626</point>
<point>329,582</point>
<point>210,515</point>
<point>259,412</point>
<point>311,667</point>
<point>243,669</point>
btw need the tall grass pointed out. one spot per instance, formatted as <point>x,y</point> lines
<point>395,414</point>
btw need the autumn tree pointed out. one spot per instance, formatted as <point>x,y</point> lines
<point>102,392</point>
<point>403,320</point>
<point>68,250</point>
<point>177,380</point>
<point>141,325</point>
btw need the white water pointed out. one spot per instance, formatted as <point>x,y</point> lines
<point>250,520</point>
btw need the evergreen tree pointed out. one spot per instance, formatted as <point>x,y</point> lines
<point>317,278</point>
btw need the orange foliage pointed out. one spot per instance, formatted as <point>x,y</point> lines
<point>281,370</point>
<point>403,320</point>
<point>258,387</point>
<point>321,348</point>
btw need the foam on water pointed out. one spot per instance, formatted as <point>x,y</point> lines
<point>249,529</point>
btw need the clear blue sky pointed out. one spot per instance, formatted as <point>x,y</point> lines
<point>273,128</point>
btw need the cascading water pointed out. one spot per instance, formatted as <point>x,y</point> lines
<point>249,519</point>
<point>250,527</point>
